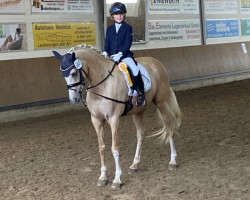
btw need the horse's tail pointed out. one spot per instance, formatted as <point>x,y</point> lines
<point>170,113</point>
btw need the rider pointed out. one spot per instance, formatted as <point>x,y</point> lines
<point>117,45</point>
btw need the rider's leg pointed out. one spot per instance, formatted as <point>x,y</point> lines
<point>141,100</point>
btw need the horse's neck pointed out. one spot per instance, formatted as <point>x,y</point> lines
<point>98,67</point>
<point>104,82</point>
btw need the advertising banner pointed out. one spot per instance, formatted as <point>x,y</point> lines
<point>222,28</point>
<point>160,30</point>
<point>11,7</point>
<point>62,6</point>
<point>220,6</point>
<point>47,36</point>
<point>245,27</point>
<point>173,6</point>
<point>245,6</point>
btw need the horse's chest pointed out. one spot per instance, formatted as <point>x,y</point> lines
<point>102,111</point>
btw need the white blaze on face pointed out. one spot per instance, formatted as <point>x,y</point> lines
<point>71,92</point>
<point>67,80</point>
<point>73,95</point>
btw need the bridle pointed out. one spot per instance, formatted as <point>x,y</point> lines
<point>128,103</point>
<point>81,80</point>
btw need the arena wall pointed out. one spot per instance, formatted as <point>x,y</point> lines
<point>27,81</point>
<point>30,76</point>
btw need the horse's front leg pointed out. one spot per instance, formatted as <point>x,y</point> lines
<point>98,124</point>
<point>114,123</point>
<point>172,164</point>
<point>138,121</point>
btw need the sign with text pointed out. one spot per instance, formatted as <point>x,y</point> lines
<point>159,30</point>
<point>220,6</point>
<point>173,6</point>
<point>48,36</point>
<point>222,28</point>
<point>245,6</point>
<point>11,7</point>
<point>245,27</point>
<point>62,6</point>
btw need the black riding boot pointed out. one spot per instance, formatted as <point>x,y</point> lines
<point>141,100</point>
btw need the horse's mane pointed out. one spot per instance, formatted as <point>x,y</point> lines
<point>84,46</point>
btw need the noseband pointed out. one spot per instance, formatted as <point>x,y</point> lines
<point>80,82</point>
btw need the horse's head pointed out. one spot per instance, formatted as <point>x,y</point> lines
<point>71,70</point>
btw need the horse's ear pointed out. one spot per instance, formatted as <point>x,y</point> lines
<point>73,56</point>
<point>57,55</point>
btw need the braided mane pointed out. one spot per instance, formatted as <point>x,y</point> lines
<point>83,46</point>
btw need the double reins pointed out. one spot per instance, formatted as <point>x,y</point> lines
<point>110,74</point>
<point>105,97</point>
<point>82,82</point>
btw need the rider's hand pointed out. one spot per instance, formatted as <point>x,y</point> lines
<point>105,54</point>
<point>116,57</point>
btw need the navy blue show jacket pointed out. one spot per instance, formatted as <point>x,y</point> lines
<point>119,42</point>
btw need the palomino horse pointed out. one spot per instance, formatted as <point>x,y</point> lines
<point>105,99</point>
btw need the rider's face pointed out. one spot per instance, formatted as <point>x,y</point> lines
<point>118,17</point>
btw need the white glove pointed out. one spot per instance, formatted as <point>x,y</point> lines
<point>105,54</point>
<point>116,57</point>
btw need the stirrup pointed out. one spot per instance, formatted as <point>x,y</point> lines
<point>141,100</point>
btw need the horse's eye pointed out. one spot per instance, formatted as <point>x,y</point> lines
<point>74,74</point>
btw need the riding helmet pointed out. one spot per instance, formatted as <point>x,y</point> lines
<point>117,8</point>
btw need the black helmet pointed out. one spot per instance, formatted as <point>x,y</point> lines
<point>117,8</point>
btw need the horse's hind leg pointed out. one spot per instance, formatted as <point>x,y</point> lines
<point>168,135</point>
<point>171,116</point>
<point>98,124</point>
<point>138,121</point>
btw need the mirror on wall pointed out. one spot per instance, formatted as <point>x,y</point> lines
<point>135,17</point>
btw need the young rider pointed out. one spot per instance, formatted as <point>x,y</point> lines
<point>117,45</point>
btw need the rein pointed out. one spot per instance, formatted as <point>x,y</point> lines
<point>110,74</point>
<point>128,103</point>
<point>117,101</point>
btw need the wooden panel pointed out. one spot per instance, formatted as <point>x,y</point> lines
<point>39,79</point>
<point>30,80</point>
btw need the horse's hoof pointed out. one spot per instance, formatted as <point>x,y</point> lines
<point>132,171</point>
<point>173,167</point>
<point>116,186</point>
<point>102,183</point>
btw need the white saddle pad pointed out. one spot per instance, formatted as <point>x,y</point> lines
<point>145,78</point>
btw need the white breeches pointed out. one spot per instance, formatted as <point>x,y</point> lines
<point>130,62</point>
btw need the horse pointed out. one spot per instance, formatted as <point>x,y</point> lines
<point>106,99</point>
